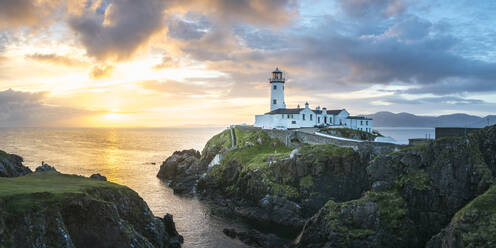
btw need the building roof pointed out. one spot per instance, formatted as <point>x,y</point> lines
<point>285,111</point>
<point>298,110</point>
<point>329,111</point>
<point>359,117</point>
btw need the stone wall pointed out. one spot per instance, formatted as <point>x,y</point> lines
<point>453,131</point>
<point>287,136</point>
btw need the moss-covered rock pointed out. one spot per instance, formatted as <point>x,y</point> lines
<point>426,186</point>
<point>375,220</point>
<point>308,177</point>
<point>472,226</point>
<point>49,209</point>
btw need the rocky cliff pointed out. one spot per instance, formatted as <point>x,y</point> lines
<point>437,194</point>
<point>273,185</point>
<point>49,209</point>
<point>414,194</point>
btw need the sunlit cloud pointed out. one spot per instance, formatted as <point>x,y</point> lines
<point>101,71</point>
<point>56,59</point>
<point>171,63</point>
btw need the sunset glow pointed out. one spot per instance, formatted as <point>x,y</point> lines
<point>101,63</point>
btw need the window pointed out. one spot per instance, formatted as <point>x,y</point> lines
<point>325,119</point>
<point>361,122</point>
<point>293,122</point>
<point>283,116</point>
<point>311,117</point>
<point>367,123</point>
<point>303,116</point>
<point>274,101</point>
<point>318,119</point>
<point>275,87</point>
<point>288,116</point>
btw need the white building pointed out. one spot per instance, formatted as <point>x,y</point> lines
<point>281,117</point>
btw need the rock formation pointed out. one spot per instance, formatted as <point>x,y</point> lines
<point>97,176</point>
<point>413,195</point>
<point>50,209</point>
<point>182,169</point>
<point>11,165</point>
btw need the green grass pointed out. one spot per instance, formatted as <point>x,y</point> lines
<point>325,150</point>
<point>221,140</point>
<point>36,190</point>
<point>3,154</point>
<point>484,203</point>
<point>256,156</point>
<point>477,221</point>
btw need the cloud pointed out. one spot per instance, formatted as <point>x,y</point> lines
<point>186,89</point>
<point>101,71</point>
<point>187,30</point>
<point>255,12</point>
<point>21,109</point>
<point>16,13</point>
<point>167,62</point>
<point>125,26</point>
<point>55,59</point>
<point>370,8</point>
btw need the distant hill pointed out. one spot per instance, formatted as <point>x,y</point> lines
<point>388,119</point>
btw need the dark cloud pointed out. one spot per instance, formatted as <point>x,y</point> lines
<point>125,27</point>
<point>185,30</point>
<point>55,59</point>
<point>21,109</point>
<point>101,71</point>
<point>16,13</point>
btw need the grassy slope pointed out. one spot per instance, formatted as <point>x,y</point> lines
<point>33,190</point>
<point>3,154</point>
<point>256,149</point>
<point>253,155</point>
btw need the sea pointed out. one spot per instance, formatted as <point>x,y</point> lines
<point>132,157</point>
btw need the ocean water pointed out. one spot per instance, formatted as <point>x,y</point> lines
<point>402,134</point>
<point>131,157</point>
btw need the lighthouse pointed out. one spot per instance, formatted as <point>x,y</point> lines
<point>277,90</point>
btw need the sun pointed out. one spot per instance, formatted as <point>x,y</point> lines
<point>112,116</point>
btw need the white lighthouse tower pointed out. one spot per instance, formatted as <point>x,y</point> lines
<point>277,90</point>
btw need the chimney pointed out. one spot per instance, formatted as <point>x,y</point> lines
<point>318,108</point>
<point>306,105</point>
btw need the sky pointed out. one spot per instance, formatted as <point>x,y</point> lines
<point>188,63</point>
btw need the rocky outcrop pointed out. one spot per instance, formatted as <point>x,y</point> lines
<point>49,209</point>
<point>414,195</point>
<point>472,226</point>
<point>375,220</point>
<point>45,167</point>
<point>182,169</point>
<point>99,177</point>
<point>276,186</point>
<point>255,238</point>
<point>11,165</point>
